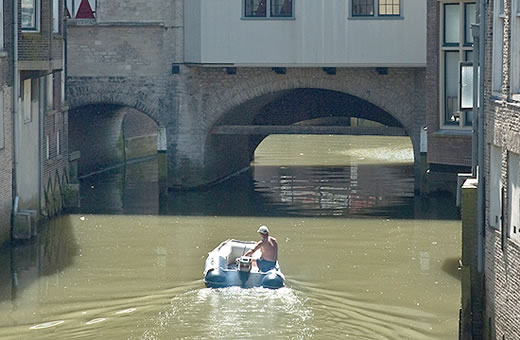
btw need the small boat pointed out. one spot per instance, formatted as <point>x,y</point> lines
<point>227,266</point>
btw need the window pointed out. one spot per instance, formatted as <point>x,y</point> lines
<point>58,142</point>
<point>26,100</point>
<point>362,8</point>
<point>495,187</point>
<point>389,7</point>
<point>2,141</point>
<point>367,8</point>
<point>79,9</point>
<point>30,15</point>
<point>268,8</point>
<point>49,92</point>
<point>498,42</point>
<point>515,49</point>
<point>513,193</point>
<point>47,147</point>
<point>55,16</point>
<point>456,48</point>
<point>1,25</point>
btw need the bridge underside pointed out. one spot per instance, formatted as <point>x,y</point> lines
<point>230,144</point>
<point>306,130</point>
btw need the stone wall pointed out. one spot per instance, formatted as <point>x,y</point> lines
<point>6,165</point>
<point>6,117</point>
<point>208,96</point>
<point>502,258</point>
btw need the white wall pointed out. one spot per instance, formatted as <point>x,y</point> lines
<point>320,34</point>
<point>27,150</point>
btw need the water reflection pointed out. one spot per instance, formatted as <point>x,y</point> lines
<point>52,251</point>
<point>363,257</point>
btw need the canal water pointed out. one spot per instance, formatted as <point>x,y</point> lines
<point>363,257</point>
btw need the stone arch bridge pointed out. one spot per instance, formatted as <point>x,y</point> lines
<point>210,119</point>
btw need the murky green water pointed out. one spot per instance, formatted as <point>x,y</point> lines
<point>363,258</point>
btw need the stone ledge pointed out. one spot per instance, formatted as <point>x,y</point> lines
<point>93,22</point>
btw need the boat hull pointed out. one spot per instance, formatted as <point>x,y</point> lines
<point>221,271</point>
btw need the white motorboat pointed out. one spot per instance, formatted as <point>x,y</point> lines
<point>227,266</point>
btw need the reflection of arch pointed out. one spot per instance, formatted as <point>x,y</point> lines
<point>108,135</point>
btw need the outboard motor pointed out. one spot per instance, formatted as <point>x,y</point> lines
<point>244,264</point>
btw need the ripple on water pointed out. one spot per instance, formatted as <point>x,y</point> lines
<point>227,314</point>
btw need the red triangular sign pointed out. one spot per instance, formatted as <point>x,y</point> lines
<point>85,11</point>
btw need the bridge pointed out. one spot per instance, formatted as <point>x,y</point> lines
<point>209,118</point>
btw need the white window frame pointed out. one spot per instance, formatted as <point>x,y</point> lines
<point>513,193</point>
<point>58,151</point>
<point>47,148</point>
<point>268,4</point>
<point>462,48</point>
<point>498,45</point>
<point>49,92</point>
<point>35,27</point>
<point>56,16</point>
<point>515,50</point>
<point>26,100</point>
<point>495,186</point>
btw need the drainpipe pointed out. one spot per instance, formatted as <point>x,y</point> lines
<point>481,144</point>
<point>16,84</point>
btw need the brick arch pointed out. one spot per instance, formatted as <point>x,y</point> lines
<point>82,91</point>
<point>107,135</point>
<point>399,93</point>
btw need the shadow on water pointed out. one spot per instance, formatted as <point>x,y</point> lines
<point>50,252</point>
<point>451,266</point>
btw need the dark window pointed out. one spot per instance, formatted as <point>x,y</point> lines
<point>281,8</point>
<point>389,7</point>
<point>29,15</point>
<point>362,8</point>
<point>255,8</point>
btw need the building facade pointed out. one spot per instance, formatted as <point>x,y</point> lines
<point>502,169</point>
<point>33,130</point>
<point>193,66</point>
<point>6,117</point>
<point>448,121</point>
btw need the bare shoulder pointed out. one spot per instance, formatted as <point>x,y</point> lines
<point>273,240</point>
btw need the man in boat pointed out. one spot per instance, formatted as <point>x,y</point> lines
<point>269,248</point>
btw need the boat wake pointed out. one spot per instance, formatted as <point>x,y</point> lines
<point>235,313</point>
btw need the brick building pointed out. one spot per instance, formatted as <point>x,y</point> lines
<point>6,114</point>
<point>502,169</point>
<point>33,126</point>
<point>449,126</point>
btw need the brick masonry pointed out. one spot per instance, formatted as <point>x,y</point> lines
<point>442,149</point>
<point>6,115</point>
<point>502,258</point>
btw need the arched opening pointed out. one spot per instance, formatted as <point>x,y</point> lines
<point>108,135</point>
<point>231,144</point>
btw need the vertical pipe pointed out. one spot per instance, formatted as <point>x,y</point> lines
<point>16,84</point>
<point>481,144</point>
<point>475,30</point>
